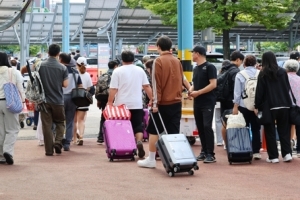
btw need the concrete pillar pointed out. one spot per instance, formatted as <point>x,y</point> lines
<point>238,41</point>
<point>185,24</point>
<point>66,28</point>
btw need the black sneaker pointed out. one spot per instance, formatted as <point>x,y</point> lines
<point>201,156</point>
<point>100,140</point>
<point>57,149</point>
<point>9,159</point>
<point>140,147</point>
<point>209,159</point>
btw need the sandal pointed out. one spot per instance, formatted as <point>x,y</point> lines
<point>79,142</point>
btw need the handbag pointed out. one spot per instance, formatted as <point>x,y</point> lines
<point>294,113</point>
<point>80,96</point>
<point>12,95</point>
<point>235,121</point>
<point>116,112</point>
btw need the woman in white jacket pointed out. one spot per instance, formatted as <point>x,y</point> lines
<point>9,122</point>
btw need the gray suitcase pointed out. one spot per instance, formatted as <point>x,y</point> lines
<point>175,152</point>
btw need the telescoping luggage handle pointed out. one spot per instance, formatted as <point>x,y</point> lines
<point>150,111</point>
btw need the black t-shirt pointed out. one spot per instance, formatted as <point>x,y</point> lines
<point>201,76</point>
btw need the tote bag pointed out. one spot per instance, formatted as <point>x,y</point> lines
<point>13,98</point>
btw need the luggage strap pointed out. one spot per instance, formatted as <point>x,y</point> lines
<point>151,115</point>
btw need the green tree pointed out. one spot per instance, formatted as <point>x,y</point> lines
<point>223,15</point>
<point>274,46</point>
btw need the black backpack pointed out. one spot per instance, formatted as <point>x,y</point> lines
<point>223,90</point>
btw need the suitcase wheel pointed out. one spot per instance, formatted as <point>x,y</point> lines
<point>22,124</point>
<point>176,169</point>
<point>192,140</point>
<point>111,160</point>
<point>171,174</point>
<point>230,163</point>
<point>250,162</point>
<point>196,167</point>
<point>191,172</point>
<point>132,159</point>
<point>134,152</point>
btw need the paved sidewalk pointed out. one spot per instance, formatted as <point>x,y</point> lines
<point>86,173</point>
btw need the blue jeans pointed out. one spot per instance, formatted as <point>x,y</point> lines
<point>70,110</point>
<point>36,117</point>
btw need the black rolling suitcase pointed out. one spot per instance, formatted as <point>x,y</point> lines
<point>175,152</point>
<point>239,146</point>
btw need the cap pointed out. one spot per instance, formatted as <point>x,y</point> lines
<point>81,61</point>
<point>295,55</point>
<point>199,49</point>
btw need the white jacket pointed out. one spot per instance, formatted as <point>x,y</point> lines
<point>16,79</point>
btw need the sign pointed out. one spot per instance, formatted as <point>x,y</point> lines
<point>103,55</point>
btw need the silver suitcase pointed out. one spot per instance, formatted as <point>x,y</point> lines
<point>175,152</point>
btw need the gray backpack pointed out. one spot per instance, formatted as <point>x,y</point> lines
<point>35,91</point>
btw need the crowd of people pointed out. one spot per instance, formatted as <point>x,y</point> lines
<point>158,83</point>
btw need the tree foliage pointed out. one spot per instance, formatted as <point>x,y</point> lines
<point>223,15</point>
<point>274,46</point>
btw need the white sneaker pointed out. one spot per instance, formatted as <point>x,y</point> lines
<point>147,163</point>
<point>41,143</point>
<point>219,144</point>
<point>287,158</point>
<point>224,147</point>
<point>275,160</point>
<point>257,156</point>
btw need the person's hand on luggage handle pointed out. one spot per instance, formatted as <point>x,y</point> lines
<point>110,103</point>
<point>235,109</point>
<point>154,109</point>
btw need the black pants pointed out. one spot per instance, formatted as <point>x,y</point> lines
<point>204,118</point>
<point>102,120</point>
<point>171,116</point>
<point>284,131</point>
<point>298,138</point>
<point>251,121</point>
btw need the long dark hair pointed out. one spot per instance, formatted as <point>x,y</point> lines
<point>269,65</point>
<point>4,59</point>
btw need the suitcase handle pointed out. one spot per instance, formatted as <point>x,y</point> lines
<point>155,123</point>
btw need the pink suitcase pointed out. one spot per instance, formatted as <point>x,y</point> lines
<point>119,139</point>
<point>145,123</point>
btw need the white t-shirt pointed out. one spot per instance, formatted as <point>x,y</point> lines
<point>86,80</point>
<point>129,80</point>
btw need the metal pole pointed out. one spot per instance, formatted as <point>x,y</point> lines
<point>248,45</point>
<point>23,41</point>
<point>238,41</point>
<point>145,48</point>
<point>185,12</point>
<point>66,29</point>
<point>120,44</point>
<point>81,43</point>
<point>88,49</point>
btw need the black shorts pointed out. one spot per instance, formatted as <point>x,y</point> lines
<point>224,118</point>
<point>171,116</point>
<point>137,116</point>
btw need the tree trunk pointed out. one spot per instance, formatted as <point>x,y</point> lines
<point>226,44</point>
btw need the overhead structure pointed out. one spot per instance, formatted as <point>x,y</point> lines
<point>134,26</point>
